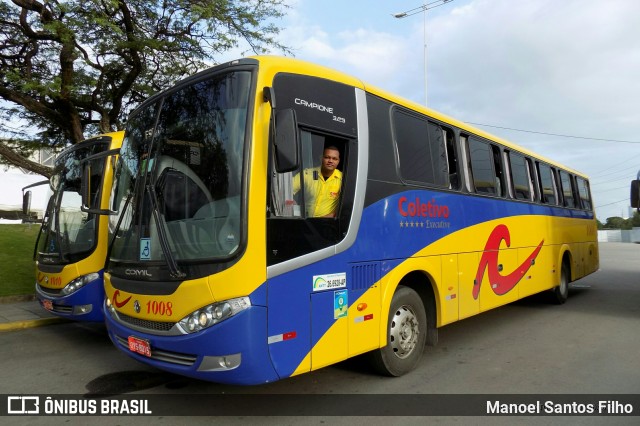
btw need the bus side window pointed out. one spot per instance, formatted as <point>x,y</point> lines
<point>481,165</point>
<point>567,190</point>
<point>535,191</point>
<point>499,171</point>
<point>422,150</point>
<point>547,187</point>
<point>520,177</point>
<point>298,223</point>
<point>585,194</point>
<point>452,159</point>
<point>293,194</point>
<point>556,182</point>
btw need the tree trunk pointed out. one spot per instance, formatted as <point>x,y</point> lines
<point>22,162</point>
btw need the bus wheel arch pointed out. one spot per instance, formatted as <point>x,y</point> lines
<point>411,323</point>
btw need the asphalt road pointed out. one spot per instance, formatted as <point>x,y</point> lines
<point>590,345</point>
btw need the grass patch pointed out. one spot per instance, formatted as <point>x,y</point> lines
<point>17,268</point>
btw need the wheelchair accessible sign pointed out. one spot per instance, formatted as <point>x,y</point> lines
<point>145,248</point>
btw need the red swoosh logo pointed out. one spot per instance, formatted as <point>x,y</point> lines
<point>500,284</point>
<point>119,304</point>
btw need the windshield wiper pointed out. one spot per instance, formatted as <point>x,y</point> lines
<point>161,226</point>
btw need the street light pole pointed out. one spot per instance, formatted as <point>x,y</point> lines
<point>425,57</point>
<point>412,12</point>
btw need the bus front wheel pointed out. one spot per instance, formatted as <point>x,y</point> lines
<point>406,334</point>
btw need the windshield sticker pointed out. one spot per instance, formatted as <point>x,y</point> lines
<point>340,304</point>
<point>329,281</point>
<point>145,248</point>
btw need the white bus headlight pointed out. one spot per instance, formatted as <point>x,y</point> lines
<point>212,314</point>
<point>79,282</point>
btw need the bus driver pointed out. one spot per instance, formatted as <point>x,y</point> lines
<point>322,187</point>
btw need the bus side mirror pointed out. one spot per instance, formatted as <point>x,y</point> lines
<point>286,141</point>
<point>635,194</point>
<point>26,203</point>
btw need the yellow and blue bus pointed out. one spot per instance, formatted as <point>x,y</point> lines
<point>71,248</point>
<point>218,269</point>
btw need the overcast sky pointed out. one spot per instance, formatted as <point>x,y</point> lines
<point>566,67</point>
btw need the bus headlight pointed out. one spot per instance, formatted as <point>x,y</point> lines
<point>212,314</point>
<point>79,282</point>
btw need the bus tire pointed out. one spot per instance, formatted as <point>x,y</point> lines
<point>406,334</point>
<point>561,291</point>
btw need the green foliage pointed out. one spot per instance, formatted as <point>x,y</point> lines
<point>620,223</point>
<point>75,68</point>
<point>17,268</point>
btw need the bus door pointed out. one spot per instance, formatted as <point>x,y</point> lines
<point>307,291</point>
<point>308,304</point>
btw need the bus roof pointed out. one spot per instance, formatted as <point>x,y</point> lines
<point>308,68</point>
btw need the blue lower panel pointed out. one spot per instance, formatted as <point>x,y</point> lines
<point>193,355</point>
<point>91,294</point>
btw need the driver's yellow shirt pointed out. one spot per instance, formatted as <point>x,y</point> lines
<point>322,196</point>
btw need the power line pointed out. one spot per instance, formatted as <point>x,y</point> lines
<point>615,202</point>
<point>555,134</point>
<point>599,174</point>
<point>612,181</point>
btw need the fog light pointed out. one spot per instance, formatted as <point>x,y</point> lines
<point>82,309</point>
<point>218,363</point>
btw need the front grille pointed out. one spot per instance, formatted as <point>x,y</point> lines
<point>62,309</point>
<point>51,292</point>
<point>146,324</point>
<point>165,356</point>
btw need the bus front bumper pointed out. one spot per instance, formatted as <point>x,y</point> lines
<point>234,351</point>
<point>85,304</point>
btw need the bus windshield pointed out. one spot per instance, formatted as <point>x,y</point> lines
<point>68,234</point>
<point>179,178</point>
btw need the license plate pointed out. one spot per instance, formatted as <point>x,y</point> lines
<point>47,304</point>
<point>140,346</point>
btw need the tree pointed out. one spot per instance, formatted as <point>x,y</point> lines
<point>75,68</point>
<point>616,222</point>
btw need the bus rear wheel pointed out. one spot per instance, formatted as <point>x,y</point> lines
<point>406,334</point>
<point>561,292</point>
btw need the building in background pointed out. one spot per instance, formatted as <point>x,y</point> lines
<point>13,179</point>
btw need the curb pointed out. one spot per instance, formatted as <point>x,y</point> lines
<point>21,325</point>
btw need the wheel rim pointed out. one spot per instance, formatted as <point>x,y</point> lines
<point>404,331</point>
